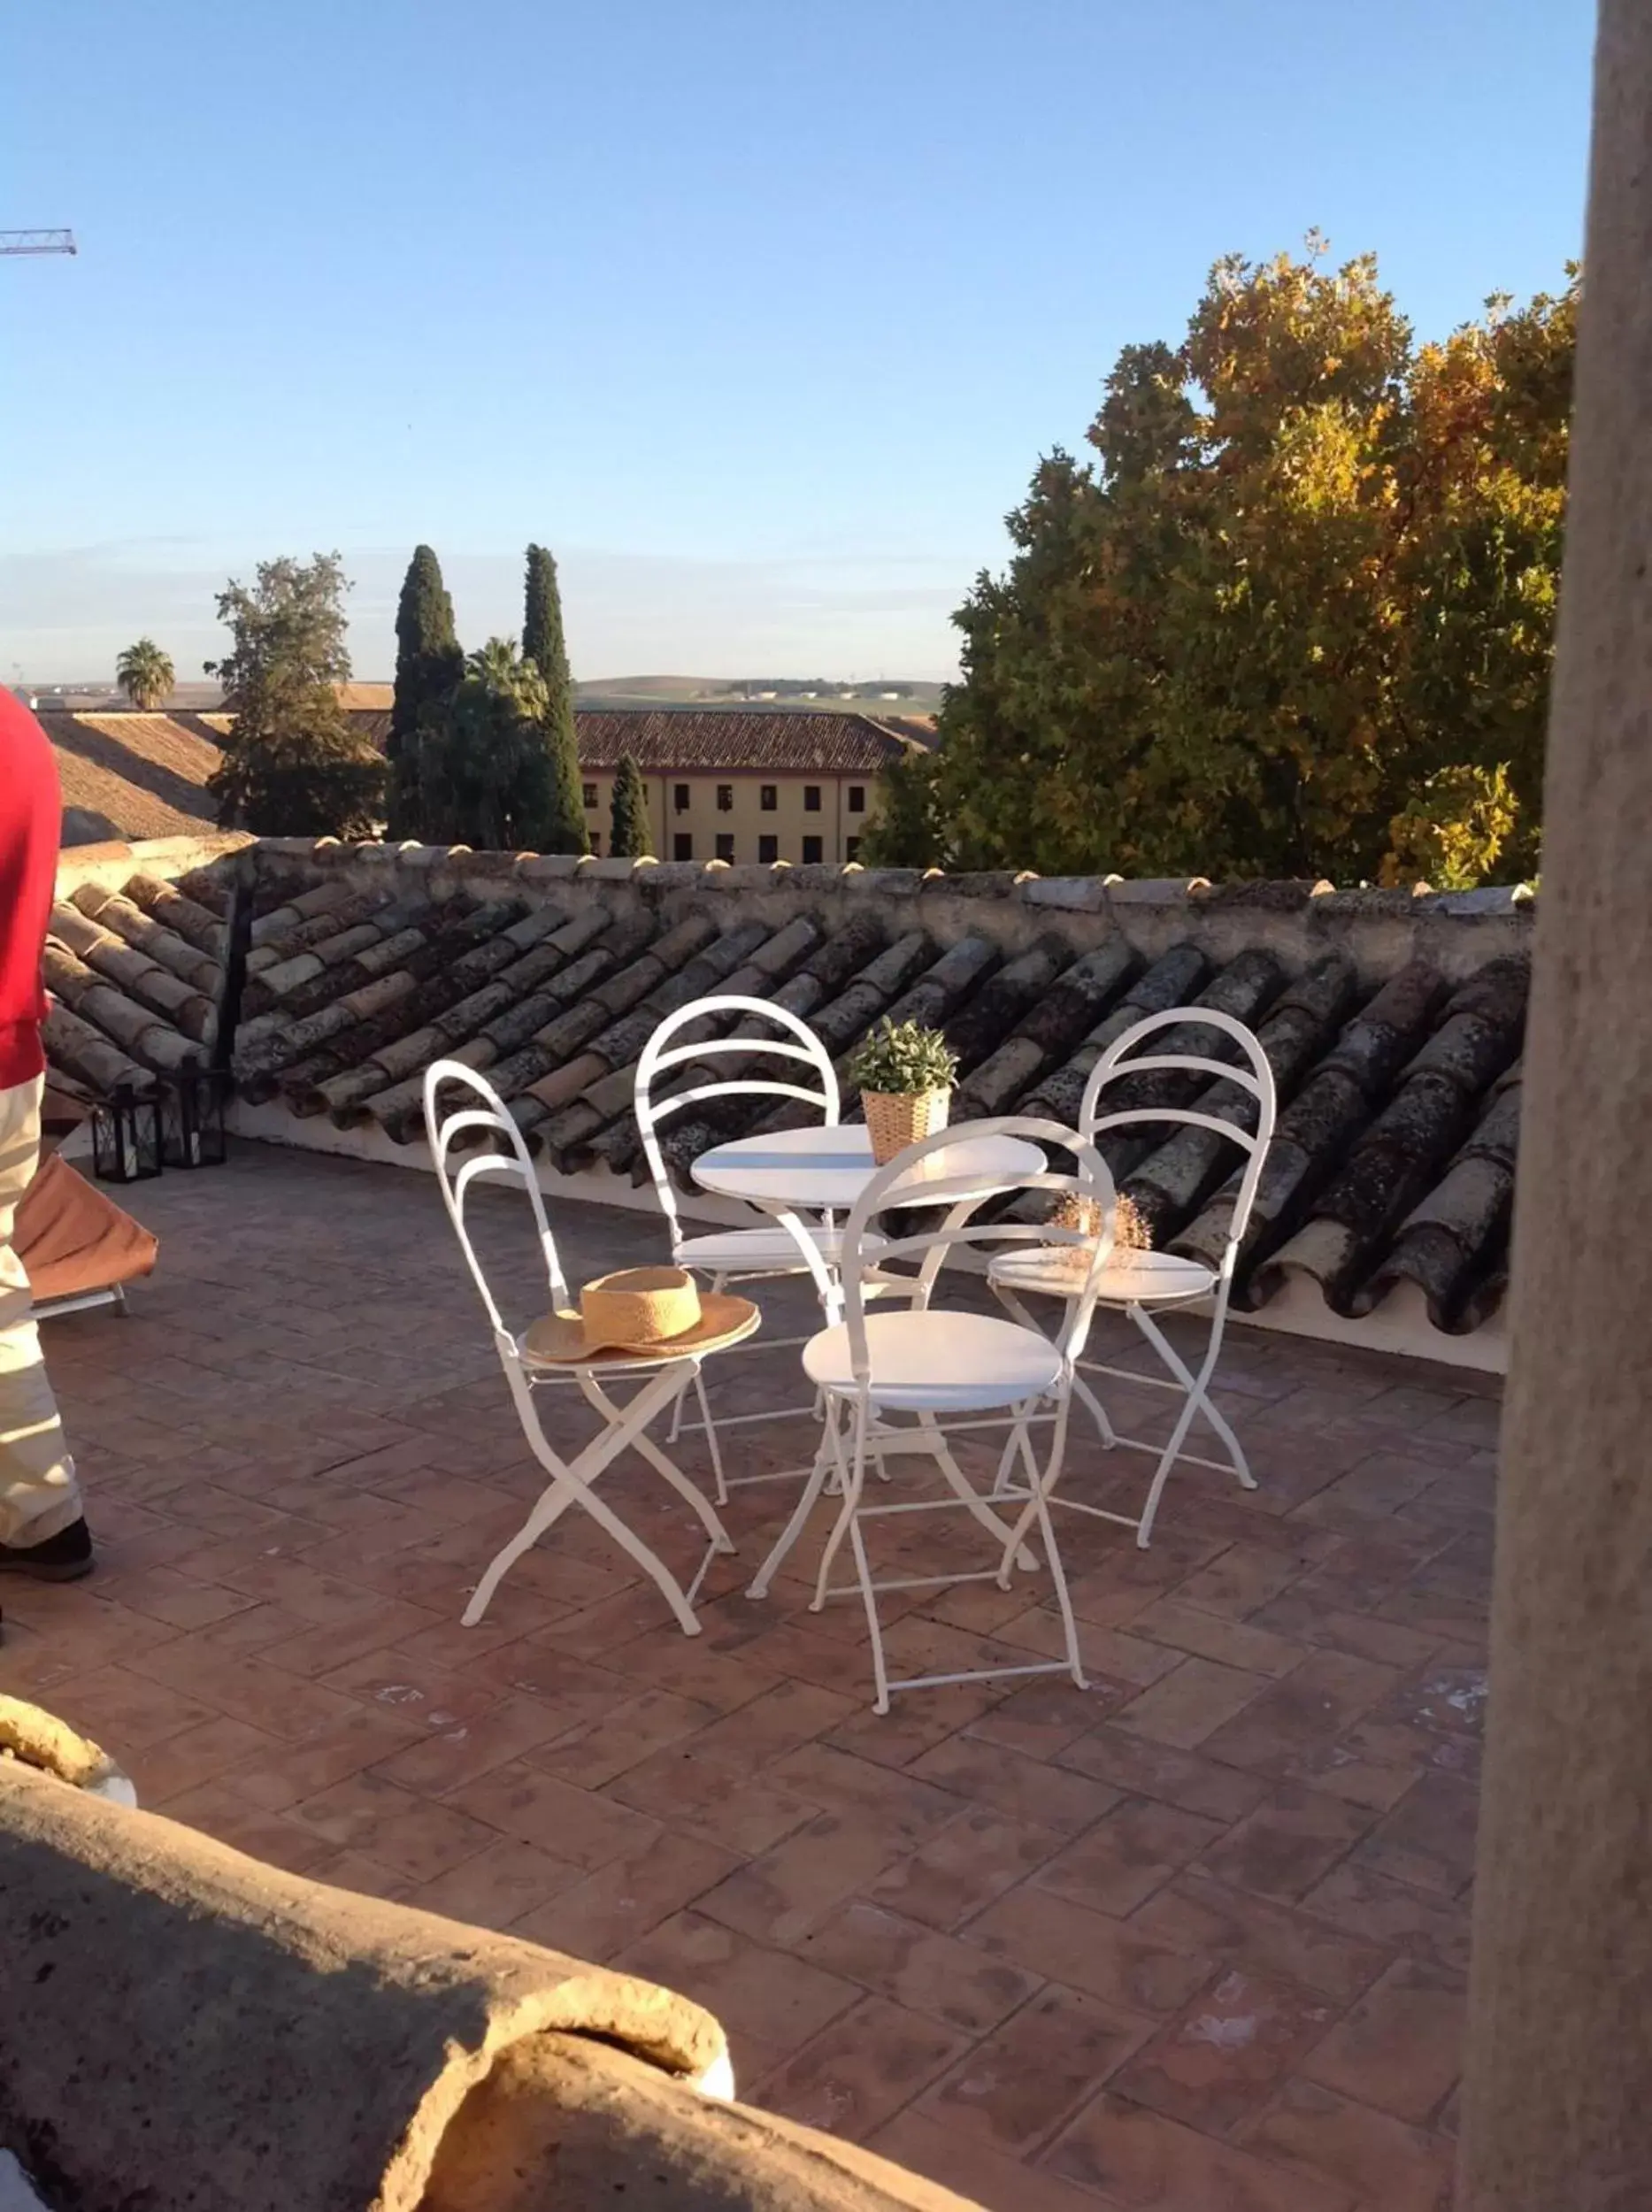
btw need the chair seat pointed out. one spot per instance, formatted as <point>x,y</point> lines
<point>938,1361</point>
<point>763,1251</point>
<point>1149,1278</point>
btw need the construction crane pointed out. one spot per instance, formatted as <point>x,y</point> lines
<point>19,241</point>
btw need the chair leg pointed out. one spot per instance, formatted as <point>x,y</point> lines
<point>1006,1460</point>
<point>705,1413</point>
<point>644,1445</point>
<point>712,1444</point>
<point>524,1541</point>
<point>758,1588</point>
<point>1037,1510</point>
<point>1195,1400</point>
<point>1017,1440</point>
<point>966,1492</point>
<point>1064,1602</point>
<point>1097,1412</point>
<point>1016,1309</point>
<point>862,1568</point>
<point>1161,1473</point>
<point>573,1482</point>
<point>848,1487</point>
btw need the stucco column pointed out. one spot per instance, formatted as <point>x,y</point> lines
<point>1558,2114</point>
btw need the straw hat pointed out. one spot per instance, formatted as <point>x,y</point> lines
<point>639,1312</point>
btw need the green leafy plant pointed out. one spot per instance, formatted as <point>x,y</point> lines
<point>1310,567</point>
<point>903,1059</point>
<point>293,766</point>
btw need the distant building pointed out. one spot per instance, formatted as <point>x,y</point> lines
<point>738,786</point>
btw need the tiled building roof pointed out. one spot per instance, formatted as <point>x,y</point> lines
<point>797,742</point>
<point>1393,1024</point>
<point>130,775</point>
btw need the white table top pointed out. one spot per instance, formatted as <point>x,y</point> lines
<point>825,1169</point>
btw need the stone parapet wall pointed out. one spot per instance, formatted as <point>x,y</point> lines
<point>1299,922</point>
<point>1392,1020</point>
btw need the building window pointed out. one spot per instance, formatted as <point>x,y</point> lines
<point>596,844</point>
<point>682,846</point>
<point>724,798</point>
<point>724,845</point>
<point>811,798</point>
<point>769,797</point>
<point>590,795</point>
<point>857,798</point>
<point>679,798</point>
<point>811,850</point>
<point>768,849</point>
<point>851,849</point>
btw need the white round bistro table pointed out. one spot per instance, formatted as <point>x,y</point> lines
<point>822,1169</point>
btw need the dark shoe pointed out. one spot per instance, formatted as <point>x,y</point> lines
<point>64,1558</point>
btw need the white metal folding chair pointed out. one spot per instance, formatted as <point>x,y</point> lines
<point>930,1362</point>
<point>762,1253</point>
<point>664,1374</point>
<point>1143,1284</point>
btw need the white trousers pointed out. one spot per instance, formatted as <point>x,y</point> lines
<point>39,1494</point>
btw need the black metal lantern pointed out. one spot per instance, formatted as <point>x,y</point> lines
<point>192,1116</point>
<point>125,1137</point>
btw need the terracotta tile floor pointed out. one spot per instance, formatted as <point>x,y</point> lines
<point>1194,1938</point>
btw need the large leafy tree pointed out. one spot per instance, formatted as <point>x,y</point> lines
<point>905,831</point>
<point>1295,618</point>
<point>543,644</point>
<point>487,774</point>
<point>428,666</point>
<point>144,673</point>
<point>292,766</point>
<point>629,837</point>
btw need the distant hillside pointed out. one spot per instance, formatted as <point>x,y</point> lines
<point>894,694</point>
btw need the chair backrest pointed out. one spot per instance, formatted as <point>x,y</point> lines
<point>963,1195</point>
<point>1249,1073</point>
<point>796,1048</point>
<point>512,1159</point>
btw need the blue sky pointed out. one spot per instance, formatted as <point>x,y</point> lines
<point>758,311</point>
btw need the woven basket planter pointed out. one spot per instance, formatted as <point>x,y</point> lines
<point>897,1118</point>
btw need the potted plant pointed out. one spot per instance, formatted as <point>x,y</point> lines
<point>904,1073</point>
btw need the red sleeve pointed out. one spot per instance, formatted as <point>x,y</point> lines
<point>31,820</point>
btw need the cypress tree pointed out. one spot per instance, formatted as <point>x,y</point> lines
<point>630,839</point>
<point>543,645</point>
<point>428,666</point>
<point>488,773</point>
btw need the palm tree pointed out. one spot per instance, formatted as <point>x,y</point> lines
<point>145,675</point>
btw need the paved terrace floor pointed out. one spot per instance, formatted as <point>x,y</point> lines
<point>1194,1940</point>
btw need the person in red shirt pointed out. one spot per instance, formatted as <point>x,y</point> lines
<point>42,1528</point>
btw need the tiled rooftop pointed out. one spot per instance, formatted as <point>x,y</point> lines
<point>128,775</point>
<point>789,742</point>
<point>1193,1940</point>
<point>1393,1024</point>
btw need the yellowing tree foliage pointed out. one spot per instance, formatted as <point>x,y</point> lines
<point>1296,617</point>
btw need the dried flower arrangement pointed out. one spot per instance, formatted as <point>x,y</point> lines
<point>1132,1234</point>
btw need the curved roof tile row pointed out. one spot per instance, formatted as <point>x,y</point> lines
<point>1396,1048</point>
